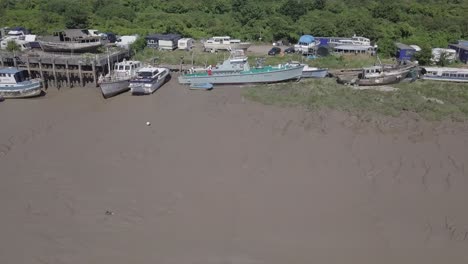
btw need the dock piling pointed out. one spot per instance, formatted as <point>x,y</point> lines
<point>80,74</point>
<point>29,68</point>
<point>93,65</point>
<point>68,74</point>
<point>41,72</point>
<point>55,74</point>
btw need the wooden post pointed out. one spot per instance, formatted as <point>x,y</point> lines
<point>55,74</point>
<point>80,73</point>
<point>68,74</point>
<point>14,62</point>
<point>29,68</point>
<point>41,72</point>
<point>1,61</point>
<point>93,64</point>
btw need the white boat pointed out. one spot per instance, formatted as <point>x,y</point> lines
<point>15,83</point>
<point>225,43</point>
<point>119,80</point>
<point>311,72</point>
<point>149,80</point>
<point>355,40</point>
<point>445,74</point>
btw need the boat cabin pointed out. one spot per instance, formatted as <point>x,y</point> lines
<point>147,73</point>
<point>126,66</point>
<point>12,76</point>
<point>371,72</point>
<point>76,35</point>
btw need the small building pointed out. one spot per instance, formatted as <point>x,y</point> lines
<point>404,52</point>
<point>186,43</point>
<point>163,41</point>
<point>462,50</point>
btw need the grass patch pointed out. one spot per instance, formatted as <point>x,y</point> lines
<point>201,58</point>
<point>416,97</point>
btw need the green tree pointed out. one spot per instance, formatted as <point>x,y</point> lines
<point>12,46</point>
<point>424,56</point>
<point>139,44</point>
<point>294,9</point>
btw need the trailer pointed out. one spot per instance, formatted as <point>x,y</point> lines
<point>186,43</point>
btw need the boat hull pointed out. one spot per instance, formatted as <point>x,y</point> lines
<point>113,88</point>
<point>22,91</point>
<point>445,79</point>
<point>240,78</point>
<point>314,73</point>
<point>138,88</point>
<point>215,47</point>
<point>69,46</point>
<point>381,80</point>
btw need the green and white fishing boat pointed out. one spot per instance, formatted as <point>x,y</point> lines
<point>236,70</point>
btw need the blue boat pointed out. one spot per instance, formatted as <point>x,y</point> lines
<point>15,83</point>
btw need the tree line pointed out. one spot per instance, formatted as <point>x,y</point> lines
<point>427,23</point>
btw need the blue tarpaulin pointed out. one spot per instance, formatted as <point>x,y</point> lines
<point>307,39</point>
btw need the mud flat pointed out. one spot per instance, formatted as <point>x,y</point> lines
<point>219,179</point>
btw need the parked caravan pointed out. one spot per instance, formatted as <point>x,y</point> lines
<point>186,43</point>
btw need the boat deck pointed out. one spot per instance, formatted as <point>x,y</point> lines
<point>251,71</point>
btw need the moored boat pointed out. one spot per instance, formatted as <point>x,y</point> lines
<point>119,80</point>
<point>149,80</point>
<point>445,74</point>
<point>15,83</point>
<point>236,70</point>
<point>311,72</point>
<point>377,75</point>
<point>225,43</point>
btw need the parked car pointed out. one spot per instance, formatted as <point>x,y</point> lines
<point>289,50</point>
<point>111,37</point>
<point>274,51</point>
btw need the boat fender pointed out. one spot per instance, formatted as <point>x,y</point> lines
<point>209,72</point>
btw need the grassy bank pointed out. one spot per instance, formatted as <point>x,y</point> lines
<point>431,100</point>
<point>201,58</point>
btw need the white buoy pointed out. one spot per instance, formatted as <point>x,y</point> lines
<point>148,123</point>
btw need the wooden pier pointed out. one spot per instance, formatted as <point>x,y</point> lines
<point>64,70</point>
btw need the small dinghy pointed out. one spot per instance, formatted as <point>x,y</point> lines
<point>201,86</point>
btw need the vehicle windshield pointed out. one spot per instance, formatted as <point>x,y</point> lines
<point>145,74</point>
